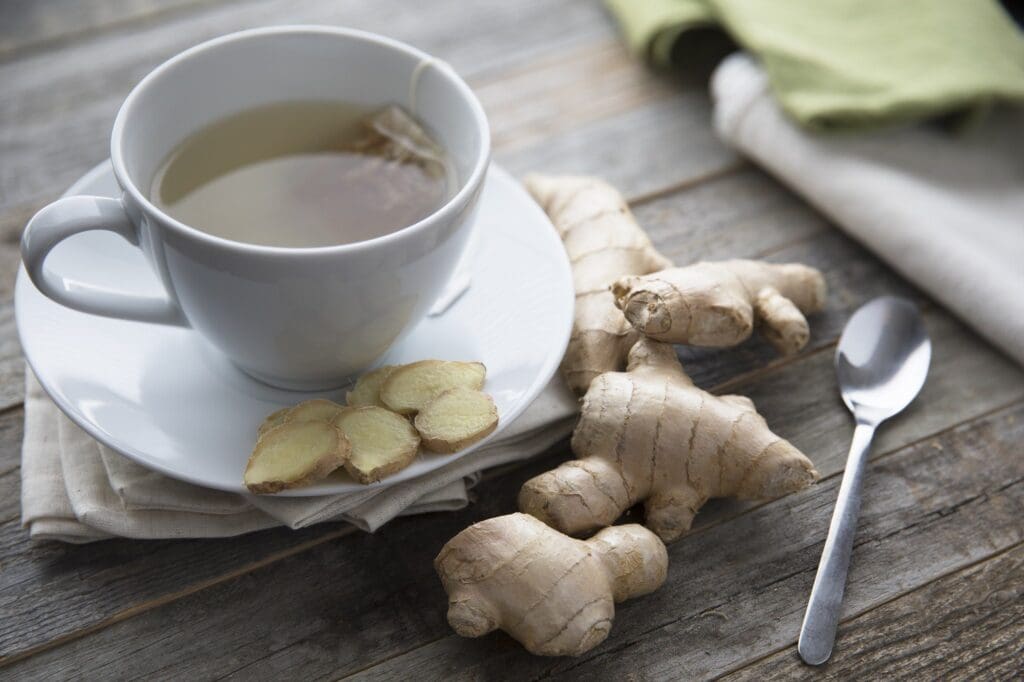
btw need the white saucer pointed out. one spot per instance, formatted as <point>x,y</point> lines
<point>166,399</point>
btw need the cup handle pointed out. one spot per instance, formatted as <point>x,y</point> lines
<point>72,215</point>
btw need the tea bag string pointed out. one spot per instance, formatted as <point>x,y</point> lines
<point>414,82</point>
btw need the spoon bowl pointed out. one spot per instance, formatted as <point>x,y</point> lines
<point>882,359</point>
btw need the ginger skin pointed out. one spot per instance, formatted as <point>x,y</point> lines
<point>649,435</point>
<point>554,594</point>
<point>604,242</point>
<point>718,304</point>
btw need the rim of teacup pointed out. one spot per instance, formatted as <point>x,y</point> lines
<point>443,212</point>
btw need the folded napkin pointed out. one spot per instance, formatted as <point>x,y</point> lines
<point>851,63</point>
<point>945,211</point>
<point>75,490</point>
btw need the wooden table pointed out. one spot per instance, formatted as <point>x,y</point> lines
<point>937,584</point>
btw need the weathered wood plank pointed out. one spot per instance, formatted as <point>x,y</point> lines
<point>55,116</point>
<point>701,217</point>
<point>737,591</point>
<point>642,135</point>
<point>538,101</point>
<point>749,215</point>
<point>12,364</point>
<point>641,132</point>
<point>11,432</point>
<point>313,634</point>
<point>91,594</point>
<point>113,568</point>
<point>36,23</point>
<point>643,151</point>
<point>966,379</point>
<point>360,585</point>
<point>966,625</point>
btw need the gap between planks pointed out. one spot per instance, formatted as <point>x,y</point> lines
<point>875,458</point>
<point>895,597</point>
<point>327,537</point>
<point>133,611</point>
<point>770,368</point>
<point>298,549</point>
<point>636,200</point>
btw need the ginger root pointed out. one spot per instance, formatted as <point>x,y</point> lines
<point>718,304</point>
<point>554,594</point>
<point>604,242</point>
<point>295,454</point>
<point>649,435</point>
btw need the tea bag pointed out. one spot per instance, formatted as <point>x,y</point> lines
<point>395,136</point>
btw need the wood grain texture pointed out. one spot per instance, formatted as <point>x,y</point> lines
<point>736,591</point>
<point>56,115</point>
<point>12,364</point>
<point>12,423</point>
<point>41,24</point>
<point>406,609</point>
<point>637,130</point>
<point>945,487</point>
<point>90,594</point>
<point>966,625</point>
<point>58,106</point>
<point>100,587</point>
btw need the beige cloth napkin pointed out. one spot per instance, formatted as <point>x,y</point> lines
<point>946,211</point>
<point>75,490</point>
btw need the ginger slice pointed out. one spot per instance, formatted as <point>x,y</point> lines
<point>316,410</point>
<point>456,419</point>
<point>295,454</point>
<point>272,420</point>
<point>383,442</point>
<point>411,387</point>
<point>367,388</point>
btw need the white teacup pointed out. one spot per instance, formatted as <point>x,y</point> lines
<point>301,318</point>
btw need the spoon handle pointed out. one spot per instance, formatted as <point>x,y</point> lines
<point>818,632</point>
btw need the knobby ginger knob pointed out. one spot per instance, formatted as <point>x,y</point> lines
<point>554,594</point>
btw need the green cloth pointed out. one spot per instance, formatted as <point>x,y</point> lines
<point>845,64</point>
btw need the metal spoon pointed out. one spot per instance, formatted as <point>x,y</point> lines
<point>881,363</point>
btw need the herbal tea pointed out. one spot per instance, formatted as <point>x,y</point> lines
<point>304,174</point>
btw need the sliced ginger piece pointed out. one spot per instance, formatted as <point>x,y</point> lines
<point>410,387</point>
<point>295,454</point>
<point>383,442</point>
<point>316,410</point>
<point>272,420</point>
<point>367,388</point>
<point>456,419</point>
